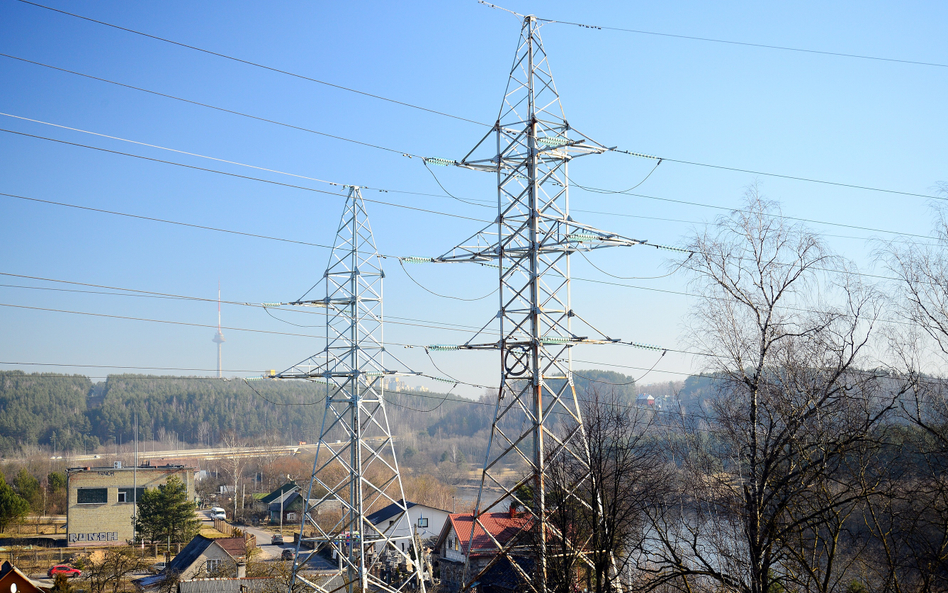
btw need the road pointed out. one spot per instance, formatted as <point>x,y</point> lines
<point>268,551</point>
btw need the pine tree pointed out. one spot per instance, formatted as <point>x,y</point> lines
<point>165,512</point>
<point>12,506</point>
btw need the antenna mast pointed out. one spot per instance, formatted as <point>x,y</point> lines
<point>219,336</point>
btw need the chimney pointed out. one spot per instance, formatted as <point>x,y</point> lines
<point>241,570</point>
<point>513,510</point>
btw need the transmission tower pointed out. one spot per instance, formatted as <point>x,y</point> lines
<point>529,149</point>
<point>355,436</point>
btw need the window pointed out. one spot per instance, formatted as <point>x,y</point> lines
<point>422,521</point>
<point>128,494</point>
<point>212,565</point>
<point>92,495</point>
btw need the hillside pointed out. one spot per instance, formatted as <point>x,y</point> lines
<point>71,413</point>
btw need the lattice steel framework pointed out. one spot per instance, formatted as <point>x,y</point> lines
<point>355,436</point>
<point>529,149</point>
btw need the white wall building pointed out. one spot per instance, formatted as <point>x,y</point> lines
<point>424,520</point>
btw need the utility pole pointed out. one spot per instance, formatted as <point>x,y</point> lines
<point>529,149</point>
<point>353,370</point>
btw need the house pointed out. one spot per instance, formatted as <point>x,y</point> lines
<point>645,399</point>
<point>202,557</point>
<point>455,540</point>
<point>281,500</point>
<point>504,578</point>
<point>423,520</point>
<point>14,581</point>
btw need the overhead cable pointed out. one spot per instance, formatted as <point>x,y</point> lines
<point>783,176</point>
<point>834,54</point>
<point>468,200</point>
<point>247,177</point>
<point>208,106</point>
<point>255,64</point>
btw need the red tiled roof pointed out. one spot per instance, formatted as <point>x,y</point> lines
<point>500,525</point>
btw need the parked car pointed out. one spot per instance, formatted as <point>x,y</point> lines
<point>277,539</point>
<point>288,554</point>
<point>221,515</point>
<point>63,569</point>
<point>215,510</point>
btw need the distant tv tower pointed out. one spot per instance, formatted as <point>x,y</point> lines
<point>219,337</point>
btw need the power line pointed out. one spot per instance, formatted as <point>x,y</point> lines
<point>783,176</point>
<point>249,166</point>
<point>136,368</point>
<point>309,244</point>
<point>184,152</point>
<point>444,296</point>
<point>163,321</point>
<point>322,246</point>
<point>256,64</point>
<point>750,44</point>
<point>597,190</point>
<point>258,236</point>
<point>166,221</point>
<point>208,106</point>
<point>464,200</point>
<point>783,216</point>
<point>247,177</point>
<point>169,322</point>
<point>388,320</point>
<point>153,294</point>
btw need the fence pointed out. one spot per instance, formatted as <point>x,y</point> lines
<point>229,530</point>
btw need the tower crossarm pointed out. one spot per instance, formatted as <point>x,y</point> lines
<point>562,236</point>
<point>522,141</point>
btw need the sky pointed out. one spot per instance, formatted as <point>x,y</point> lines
<point>689,82</point>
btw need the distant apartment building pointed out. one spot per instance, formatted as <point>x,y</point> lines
<point>101,503</point>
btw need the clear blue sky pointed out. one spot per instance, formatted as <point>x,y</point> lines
<point>856,121</point>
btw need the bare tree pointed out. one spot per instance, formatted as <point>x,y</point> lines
<point>234,462</point>
<point>782,329</point>
<point>917,557</point>
<point>109,570</point>
<point>627,474</point>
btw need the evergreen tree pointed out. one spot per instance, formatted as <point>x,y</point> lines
<point>28,487</point>
<point>12,506</point>
<point>165,512</point>
<point>61,584</point>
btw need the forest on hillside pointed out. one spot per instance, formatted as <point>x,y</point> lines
<point>70,413</point>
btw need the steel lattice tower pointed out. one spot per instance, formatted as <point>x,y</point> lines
<point>355,435</point>
<point>529,149</point>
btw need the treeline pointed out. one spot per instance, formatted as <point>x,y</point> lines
<point>69,413</point>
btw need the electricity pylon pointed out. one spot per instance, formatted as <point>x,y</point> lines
<point>529,149</point>
<point>355,436</point>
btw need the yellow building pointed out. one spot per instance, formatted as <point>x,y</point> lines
<point>101,506</point>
